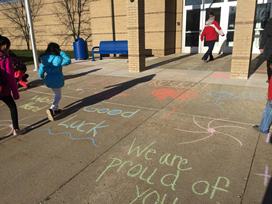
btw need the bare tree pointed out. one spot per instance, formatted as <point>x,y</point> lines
<point>74,15</point>
<point>14,11</point>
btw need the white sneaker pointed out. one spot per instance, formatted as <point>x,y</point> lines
<point>17,132</point>
<point>50,114</point>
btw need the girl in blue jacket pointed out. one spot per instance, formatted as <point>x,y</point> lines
<point>50,70</point>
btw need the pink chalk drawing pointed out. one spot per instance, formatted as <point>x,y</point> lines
<point>211,131</point>
<point>266,175</point>
<point>220,76</point>
<point>164,93</point>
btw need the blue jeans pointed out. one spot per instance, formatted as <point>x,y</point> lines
<point>57,98</point>
<point>267,118</point>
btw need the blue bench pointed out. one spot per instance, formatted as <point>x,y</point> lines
<point>111,47</point>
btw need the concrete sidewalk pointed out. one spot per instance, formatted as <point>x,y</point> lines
<point>172,134</point>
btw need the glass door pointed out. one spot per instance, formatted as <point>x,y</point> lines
<point>192,31</point>
<point>263,13</point>
<point>194,19</point>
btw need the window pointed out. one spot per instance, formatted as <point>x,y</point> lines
<point>212,1</point>
<point>193,2</point>
<point>192,28</point>
<point>262,15</point>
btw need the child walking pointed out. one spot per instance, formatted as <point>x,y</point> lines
<point>8,85</point>
<point>50,70</point>
<point>266,121</point>
<point>210,32</point>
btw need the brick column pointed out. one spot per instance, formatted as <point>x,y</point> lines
<point>179,17</point>
<point>136,35</point>
<point>243,38</point>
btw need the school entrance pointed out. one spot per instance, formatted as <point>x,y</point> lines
<point>196,13</point>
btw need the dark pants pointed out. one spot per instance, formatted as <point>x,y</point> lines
<point>8,100</point>
<point>210,44</point>
<point>269,70</point>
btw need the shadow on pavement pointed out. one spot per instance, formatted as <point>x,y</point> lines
<point>268,195</point>
<point>90,100</point>
<point>255,64</point>
<point>222,56</point>
<point>104,95</point>
<point>152,66</point>
<point>39,82</point>
<point>26,129</point>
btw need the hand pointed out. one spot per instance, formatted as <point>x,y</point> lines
<point>261,50</point>
<point>16,96</point>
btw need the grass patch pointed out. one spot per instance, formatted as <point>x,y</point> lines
<point>26,55</point>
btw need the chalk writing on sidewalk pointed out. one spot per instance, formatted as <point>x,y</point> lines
<point>86,130</point>
<point>148,195</point>
<point>171,84</point>
<point>266,175</point>
<point>71,136</point>
<point>210,131</point>
<point>111,112</point>
<point>179,166</point>
<point>204,187</point>
<point>36,104</point>
<point>83,126</point>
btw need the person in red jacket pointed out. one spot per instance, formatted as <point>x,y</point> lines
<point>210,33</point>
<point>8,85</point>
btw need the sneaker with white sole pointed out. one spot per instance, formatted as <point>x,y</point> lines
<point>50,114</point>
<point>17,132</point>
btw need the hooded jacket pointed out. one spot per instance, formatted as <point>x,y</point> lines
<point>266,40</point>
<point>7,73</point>
<point>50,69</point>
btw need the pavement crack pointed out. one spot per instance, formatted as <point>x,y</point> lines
<point>249,172</point>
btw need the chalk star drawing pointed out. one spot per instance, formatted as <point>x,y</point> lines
<point>71,136</point>
<point>266,175</point>
<point>211,131</point>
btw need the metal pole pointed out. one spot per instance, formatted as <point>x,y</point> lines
<point>31,33</point>
<point>113,22</point>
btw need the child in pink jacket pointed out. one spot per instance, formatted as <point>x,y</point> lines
<point>8,86</point>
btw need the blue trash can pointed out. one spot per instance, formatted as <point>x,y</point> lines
<point>80,49</point>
